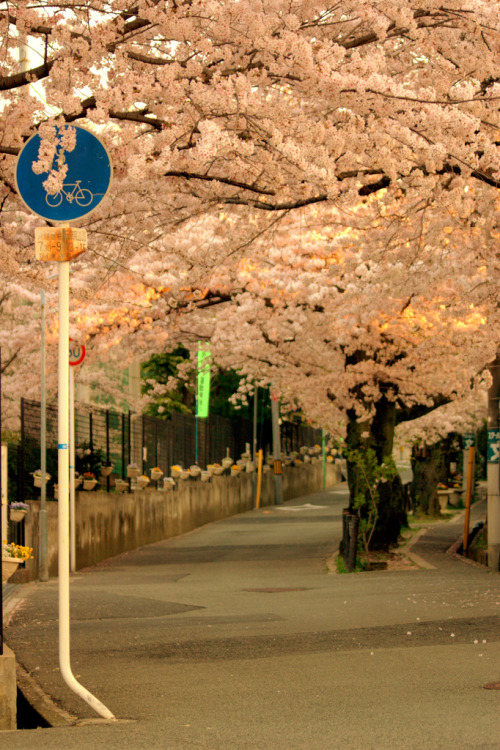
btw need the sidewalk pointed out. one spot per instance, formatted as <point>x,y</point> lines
<point>236,636</point>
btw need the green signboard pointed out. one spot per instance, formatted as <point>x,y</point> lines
<point>203,392</point>
<point>469,440</point>
<point>493,446</point>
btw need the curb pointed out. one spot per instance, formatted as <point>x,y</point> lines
<point>54,715</point>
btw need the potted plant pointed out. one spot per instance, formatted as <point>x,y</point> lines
<point>156,473</point>
<point>132,471</point>
<point>168,483</point>
<point>194,470</point>
<point>89,481</point>
<point>175,470</point>
<point>142,481</point>
<point>37,477</point>
<point>227,462</point>
<point>121,485</point>
<point>12,556</point>
<point>78,480</point>
<point>17,511</point>
<point>107,469</point>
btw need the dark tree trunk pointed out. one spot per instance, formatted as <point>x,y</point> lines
<point>392,513</point>
<point>353,442</point>
<point>428,470</point>
<point>382,428</point>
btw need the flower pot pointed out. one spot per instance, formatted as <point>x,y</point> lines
<point>168,483</point>
<point>142,482</point>
<point>195,470</point>
<point>121,485</point>
<point>205,476</point>
<point>37,479</point>
<point>89,484</point>
<point>227,463</point>
<point>9,566</point>
<point>132,472</point>
<point>78,482</point>
<point>218,470</point>
<point>443,497</point>
<point>175,471</point>
<point>106,471</point>
<point>17,514</point>
<point>183,474</point>
<point>156,474</point>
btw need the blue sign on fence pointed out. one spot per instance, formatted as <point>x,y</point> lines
<point>86,181</point>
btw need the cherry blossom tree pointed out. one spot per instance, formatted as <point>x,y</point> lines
<point>311,187</point>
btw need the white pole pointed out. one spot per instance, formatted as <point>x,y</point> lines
<point>278,478</point>
<point>63,503</point>
<point>43,558</point>
<point>72,518</point>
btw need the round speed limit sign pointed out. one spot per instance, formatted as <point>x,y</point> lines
<point>76,352</point>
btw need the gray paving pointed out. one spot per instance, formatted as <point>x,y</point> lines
<point>237,636</point>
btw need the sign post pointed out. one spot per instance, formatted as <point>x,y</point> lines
<point>202,394</point>
<point>76,357</point>
<point>469,441</point>
<point>86,182</point>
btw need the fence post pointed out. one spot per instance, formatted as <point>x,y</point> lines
<point>20,457</point>
<point>156,441</point>
<point>91,433</point>
<point>123,446</point>
<point>108,478</point>
<point>142,444</point>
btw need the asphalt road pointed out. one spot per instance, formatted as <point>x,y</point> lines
<point>237,636</point>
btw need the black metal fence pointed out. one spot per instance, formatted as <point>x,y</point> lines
<point>103,436</point>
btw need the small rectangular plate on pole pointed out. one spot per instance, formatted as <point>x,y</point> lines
<point>59,243</point>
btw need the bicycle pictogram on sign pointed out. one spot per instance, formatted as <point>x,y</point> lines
<point>72,191</point>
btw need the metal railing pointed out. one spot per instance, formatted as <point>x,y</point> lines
<point>104,436</point>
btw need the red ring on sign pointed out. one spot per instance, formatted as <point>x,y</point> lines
<point>80,358</point>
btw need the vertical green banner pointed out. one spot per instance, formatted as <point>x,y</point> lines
<point>203,392</point>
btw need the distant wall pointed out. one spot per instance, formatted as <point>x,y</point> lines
<point>108,524</point>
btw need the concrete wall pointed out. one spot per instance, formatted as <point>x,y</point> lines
<point>108,524</point>
<point>8,690</point>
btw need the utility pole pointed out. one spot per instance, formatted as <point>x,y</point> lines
<point>278,471</point>
<point>493,466</point>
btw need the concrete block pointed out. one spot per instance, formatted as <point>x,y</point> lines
<point>8,690</point>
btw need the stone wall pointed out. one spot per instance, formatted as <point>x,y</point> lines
<point>108,524</point>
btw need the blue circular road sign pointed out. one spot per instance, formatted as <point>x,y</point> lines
<point>85,184</point>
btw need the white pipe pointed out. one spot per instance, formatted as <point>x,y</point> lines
<point>63,503</point>
<point>72,520</point>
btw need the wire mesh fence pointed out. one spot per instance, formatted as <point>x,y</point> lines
<point>104,437</point>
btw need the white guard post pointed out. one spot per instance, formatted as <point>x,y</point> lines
<point>72,506</point>
<point>61,244</point>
